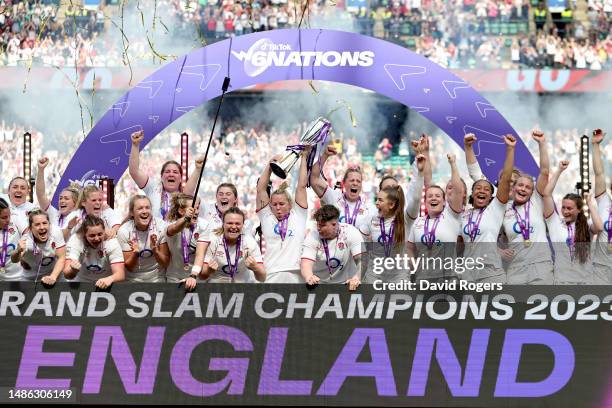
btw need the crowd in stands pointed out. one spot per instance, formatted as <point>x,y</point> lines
<point>243,152</point>
<point>455,34</point>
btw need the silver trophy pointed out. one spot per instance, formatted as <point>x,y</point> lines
<point>315,134</point>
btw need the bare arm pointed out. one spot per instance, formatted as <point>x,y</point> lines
<point>306,271</point>
<point>470,157</point>
<point>130,259</point>
<point>503,190</point>
<point>262,198</point>
<point>424,149</point>
<point>413,196</point>
<point>456,196</point>
<point>60,255</point>
<point>549,204</point>
<point>316,181</point>
<point>41,194</point>
<point>597,225</point>
<point>542,180</point>
<point>301,197</point>
<point>162,254</point>
<point>192,181</point>
<point>598,167</point>
<point>134,163</point>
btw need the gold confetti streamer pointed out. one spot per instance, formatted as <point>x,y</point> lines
<point>345,104</point>
<point>314,90</point>
<point>36,45</point>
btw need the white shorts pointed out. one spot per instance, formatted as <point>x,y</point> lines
<point>602,274</point>
<point>540,273</point>
<point>284,277</point>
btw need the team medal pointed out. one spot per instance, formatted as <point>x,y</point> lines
<point>527,243</point>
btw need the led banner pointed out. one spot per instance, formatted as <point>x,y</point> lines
<point>285,344</point>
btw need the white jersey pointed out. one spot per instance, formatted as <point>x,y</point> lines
<point>283,255</point>
<point>537,249</point>
<point>109,216</point>
<point>358,216</point>
<point>9,239</point>
<point>439,243</point>
<point>19,211</point>
<point>337,265</point>
<point>602,253</point>
<point>40,257</point>
<point>177,269</point>
<point>95,262</point>
<point>568,268</point>
<point>147,268</point>
<point>480,229</point>
<point>211,219</point>
<point>372,231</point>
<point>59,220</point>
<point>160,199</point>
<point>412,199</point>
<point>223,274</point>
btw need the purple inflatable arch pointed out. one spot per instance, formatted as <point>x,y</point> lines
<point>396,72</point>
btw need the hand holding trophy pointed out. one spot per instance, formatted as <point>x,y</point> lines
<point>316,136</point>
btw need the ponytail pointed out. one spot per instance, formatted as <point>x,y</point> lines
<point>396,195</point>
<point>583,234</point>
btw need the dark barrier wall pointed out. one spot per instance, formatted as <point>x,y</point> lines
<point>285,344</point>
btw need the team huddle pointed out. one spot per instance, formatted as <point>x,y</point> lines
<point>515,227</point>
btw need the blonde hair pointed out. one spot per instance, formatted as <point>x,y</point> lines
<point>282,190</point>
<point>85,193</point>
<point>130,215</point>
<point>75,190</point>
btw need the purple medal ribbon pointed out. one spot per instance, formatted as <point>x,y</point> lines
<point>473,226</point>
<point>430,235</point>
<point>165,205</point>
<point>523,222</point>
<point>232,267</point>
<point>4,252</point>
<point>282,227</point>
<point>609,227</point>
<point>185,244</point>
<point>326,250</point>
<point>387,239</point>
<point>351,219</point>
<point>316,152</point>
<point>571,240</point>
<point>61,220</point>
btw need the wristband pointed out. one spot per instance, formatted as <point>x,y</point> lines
<point>196,269</point>
<point>194,276</point>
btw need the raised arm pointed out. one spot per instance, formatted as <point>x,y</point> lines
<point>415,188</point>
<point>597,225</point>
<point>316,181</point>
<point>177,226</point>
<point>41,193</point>
<point>598,167</point>
<point>542,181</point>
<point>421,146</point>
<point>134,163</point>
<point>192,181</point>
<point>549,204</point>
<point>301,198</point>
<point>262,198</point>
<point>456,196</point>
<point>503,190</point>
<point>470,157</point>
